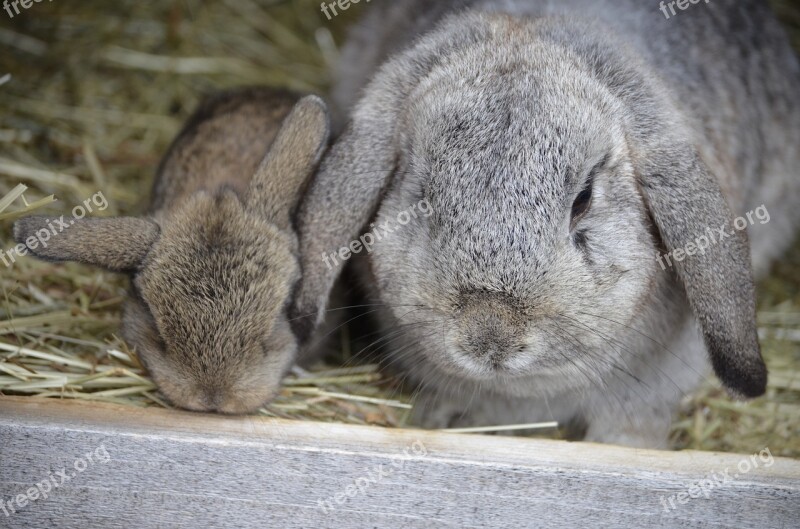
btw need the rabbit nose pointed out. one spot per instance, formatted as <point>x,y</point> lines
<point>491,328</point>
<point>211,400</point>
<point>236,401</point>
<point>215,401</point>
<point>490,343</point>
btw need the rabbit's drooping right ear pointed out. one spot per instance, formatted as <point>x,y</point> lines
<point>214,265</point>
<point>685,202</point>
<point>357,171</point>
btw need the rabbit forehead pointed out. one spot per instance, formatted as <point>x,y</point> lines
<point>240,373</point>
<point>218,274</point>
<point>537,112</point>
<point>495,160</point>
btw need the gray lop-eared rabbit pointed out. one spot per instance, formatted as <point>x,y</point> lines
<point>214,262</point>
<point>561,145</point>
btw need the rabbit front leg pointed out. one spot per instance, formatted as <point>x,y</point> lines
<point>435,411</point>
<point>643,426</point>
<point>482,409</point>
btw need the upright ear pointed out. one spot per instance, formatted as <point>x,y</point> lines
<point>687,206</point>
<point>280,180</point>
<point>116,244</point>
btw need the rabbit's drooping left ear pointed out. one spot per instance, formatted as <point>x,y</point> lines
<point>685,202</point>
<point>282,177</point>
<point>116,244</point>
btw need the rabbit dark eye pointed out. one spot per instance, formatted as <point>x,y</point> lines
<point>581,204</point>
<point>584,199</point>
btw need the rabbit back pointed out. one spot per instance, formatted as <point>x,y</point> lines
<point>222,144</point>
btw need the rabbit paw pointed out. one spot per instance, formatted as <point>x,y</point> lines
<point>436,412</point>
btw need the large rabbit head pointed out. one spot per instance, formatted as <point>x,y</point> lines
<point>556,170</point>
<point>211,275</point>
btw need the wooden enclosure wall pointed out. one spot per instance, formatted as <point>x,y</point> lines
<point>148,468</point>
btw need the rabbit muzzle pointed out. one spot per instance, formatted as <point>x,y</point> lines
<point>492,330</point>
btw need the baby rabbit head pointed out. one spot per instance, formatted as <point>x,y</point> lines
<point>211,276</point>
<point>554,173</point>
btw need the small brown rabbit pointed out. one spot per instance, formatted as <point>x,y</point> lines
<point>215,260</point>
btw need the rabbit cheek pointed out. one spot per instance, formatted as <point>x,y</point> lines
<point>139,330</point>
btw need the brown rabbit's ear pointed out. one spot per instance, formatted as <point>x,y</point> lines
<point>116,244</point>
<point>687,205</point>
<point>281,179</point>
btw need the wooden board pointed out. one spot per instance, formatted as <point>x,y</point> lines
<point>154,468</point>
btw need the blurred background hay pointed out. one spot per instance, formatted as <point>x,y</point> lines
<point>91,93</point>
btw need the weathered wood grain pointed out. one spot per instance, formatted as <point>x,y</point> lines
<point>173,469</point>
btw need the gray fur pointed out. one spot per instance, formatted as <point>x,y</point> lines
<point>496,112</point>
<point>216,259</point>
